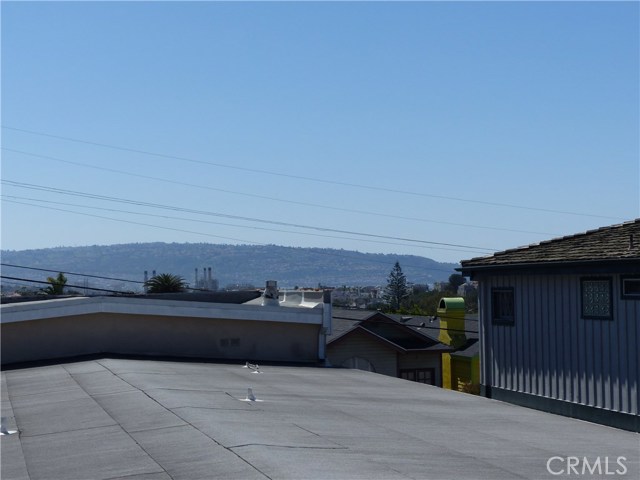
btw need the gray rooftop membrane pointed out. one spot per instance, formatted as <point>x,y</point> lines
<point>142,419</point>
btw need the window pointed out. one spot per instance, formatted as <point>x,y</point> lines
<point>502,306</point>
<point>596,298</point>
<point>420,375</point>
<point>630,287</point>
<point>359,364</point>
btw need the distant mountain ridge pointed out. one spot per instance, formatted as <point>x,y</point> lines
<point>231,264</point>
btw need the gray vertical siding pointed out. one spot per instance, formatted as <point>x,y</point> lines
<point>552,352</point>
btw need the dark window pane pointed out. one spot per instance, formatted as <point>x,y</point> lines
<point>502,306</point>
<point>596,298</point>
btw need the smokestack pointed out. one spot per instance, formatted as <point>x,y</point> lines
<point>270,297</point>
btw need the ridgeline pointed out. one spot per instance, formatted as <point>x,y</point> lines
<point>231,264</point>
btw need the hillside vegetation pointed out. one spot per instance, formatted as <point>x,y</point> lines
<point>231,264</point>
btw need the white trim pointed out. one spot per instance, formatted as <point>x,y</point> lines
<point>44,309</point>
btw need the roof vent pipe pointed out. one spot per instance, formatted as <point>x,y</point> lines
<point>270,297</point>
<point>3,427</point>
<point>631,242</point>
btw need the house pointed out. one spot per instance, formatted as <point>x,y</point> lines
<point>386,344</point>
<point>174,325</point>
<point>560,324</point>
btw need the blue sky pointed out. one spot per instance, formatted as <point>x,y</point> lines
<point>463,124</point>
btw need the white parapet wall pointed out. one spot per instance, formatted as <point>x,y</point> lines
<point>69,327</point>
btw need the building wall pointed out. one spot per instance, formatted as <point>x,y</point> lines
<point>158,335</point>
<point>422,360</point>
<point>552,352</point>
<point>359,344</point>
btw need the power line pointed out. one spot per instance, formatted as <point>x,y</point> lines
<point>85,287</point>
<point>314,251</point>
<point>264,197</point>
<point>219,223</point>
<point>310,179</point>
<point>54,270</point>
<point>235,217</point>
<point>412,326</point>
<point>70,286</point>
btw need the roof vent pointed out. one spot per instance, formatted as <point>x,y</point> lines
<point>270,297</point>
<point>250,396</point>
<point>254,367</point>
<point>631,243</point>
<point>3,427</point>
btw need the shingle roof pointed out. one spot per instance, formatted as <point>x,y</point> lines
<point>613,243</point>
<point>346,320</point>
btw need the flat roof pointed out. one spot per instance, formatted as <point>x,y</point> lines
<point>151,419</point>
<point>70,306</point>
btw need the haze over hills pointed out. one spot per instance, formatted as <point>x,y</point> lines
<point>231,264</point>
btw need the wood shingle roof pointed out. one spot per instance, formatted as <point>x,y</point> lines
<point>613,243</point>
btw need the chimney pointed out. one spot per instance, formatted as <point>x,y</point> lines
<point>270,297</point>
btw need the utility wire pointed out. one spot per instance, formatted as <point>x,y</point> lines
<point>55,270</point>
<point>264,197</point>
<point>70,286</point>
<point>235,217</point>
<point>310,179</point>
<point>314,251</point>
<point>413,326</point>
<point>5,277</point>
<point>85,275</point>
<point>9,197</point>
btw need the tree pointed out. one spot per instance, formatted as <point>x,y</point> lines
<point>57,285</point>
<point>396,290</point>
<point>455,280</point>
<point>165,283</point>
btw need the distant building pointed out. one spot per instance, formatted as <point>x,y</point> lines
<point>467,288</point>
<point>440,286</point>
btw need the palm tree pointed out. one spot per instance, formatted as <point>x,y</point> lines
<point>57,285</point>
<point>165,283</point>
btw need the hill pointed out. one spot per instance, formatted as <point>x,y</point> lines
<point>231,264</point>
